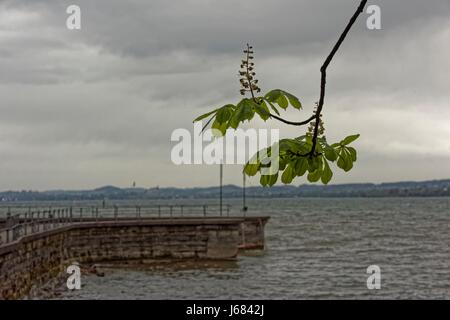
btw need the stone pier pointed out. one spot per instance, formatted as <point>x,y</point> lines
<point>36,258</point>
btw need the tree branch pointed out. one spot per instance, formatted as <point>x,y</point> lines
<point>323,71</point>
<point>294,123</point>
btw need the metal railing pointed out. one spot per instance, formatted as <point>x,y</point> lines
<point>35,220</point>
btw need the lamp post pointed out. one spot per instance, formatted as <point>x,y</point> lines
<point>221,182</point>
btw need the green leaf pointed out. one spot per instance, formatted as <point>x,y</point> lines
<point>314,176</point>
<point>273,107</point>
<point>251,169</point>
<point>267,180</point>
<point>272,96</point>
<point>224,113</point>
<point>281,164</point>
<point>293,100</point>
<point>264,180</point>
<point>352,153</point>
<point>335,145</point>
<point>283,99</point>
<point>206,115</point>
<point>288,175</point>
<point>349,139</point>
<point>342,161</point>
<point>301,166</point>
<point>282,102</point>
<point>313,164</point>
<point>349,164</point>
<point>273,179</point>
<point>345,161</point>
<point>330,154</point>
<point>289,144</point>
<point>262,110</point>
<point>221,127</point>
<point>243,112</point>
<point>327,174</point>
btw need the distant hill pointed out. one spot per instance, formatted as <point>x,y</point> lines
<point>434,188</point>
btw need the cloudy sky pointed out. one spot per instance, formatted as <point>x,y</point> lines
<point>96,106</point>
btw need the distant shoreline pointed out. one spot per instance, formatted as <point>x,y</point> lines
<point>432,188</point>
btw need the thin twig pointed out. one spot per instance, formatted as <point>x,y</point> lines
<point>207,123</point>
<point>292,122</point>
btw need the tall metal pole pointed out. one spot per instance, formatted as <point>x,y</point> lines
<point>221,181</point>
<point>244,206</point>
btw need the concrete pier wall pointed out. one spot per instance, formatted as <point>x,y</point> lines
<point>36,258</point>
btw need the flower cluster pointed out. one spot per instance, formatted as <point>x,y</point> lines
<point>312,124</point>
<point>247,73</point>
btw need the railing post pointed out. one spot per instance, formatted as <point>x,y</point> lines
<point>44,221</point>
<point>115,212</point>
<point>30,218</point>
<point>159,211</point>
<point>171,211</point>
<point>32,222</point>
<point>181,210</point>
<point>39,221</point>
<point>8,217</point>
<point>96,214</point>
<point>25,223</point>
<point>204,210</point>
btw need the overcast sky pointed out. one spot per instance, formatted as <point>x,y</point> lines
<point>97,106</point>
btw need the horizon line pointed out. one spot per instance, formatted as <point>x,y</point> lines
<point>234,185</point>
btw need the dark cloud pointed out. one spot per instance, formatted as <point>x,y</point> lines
<point>98,105</point>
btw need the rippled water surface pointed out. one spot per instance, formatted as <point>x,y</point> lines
<point>316,248</point>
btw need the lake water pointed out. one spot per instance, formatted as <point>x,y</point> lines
<point>316,249</point>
